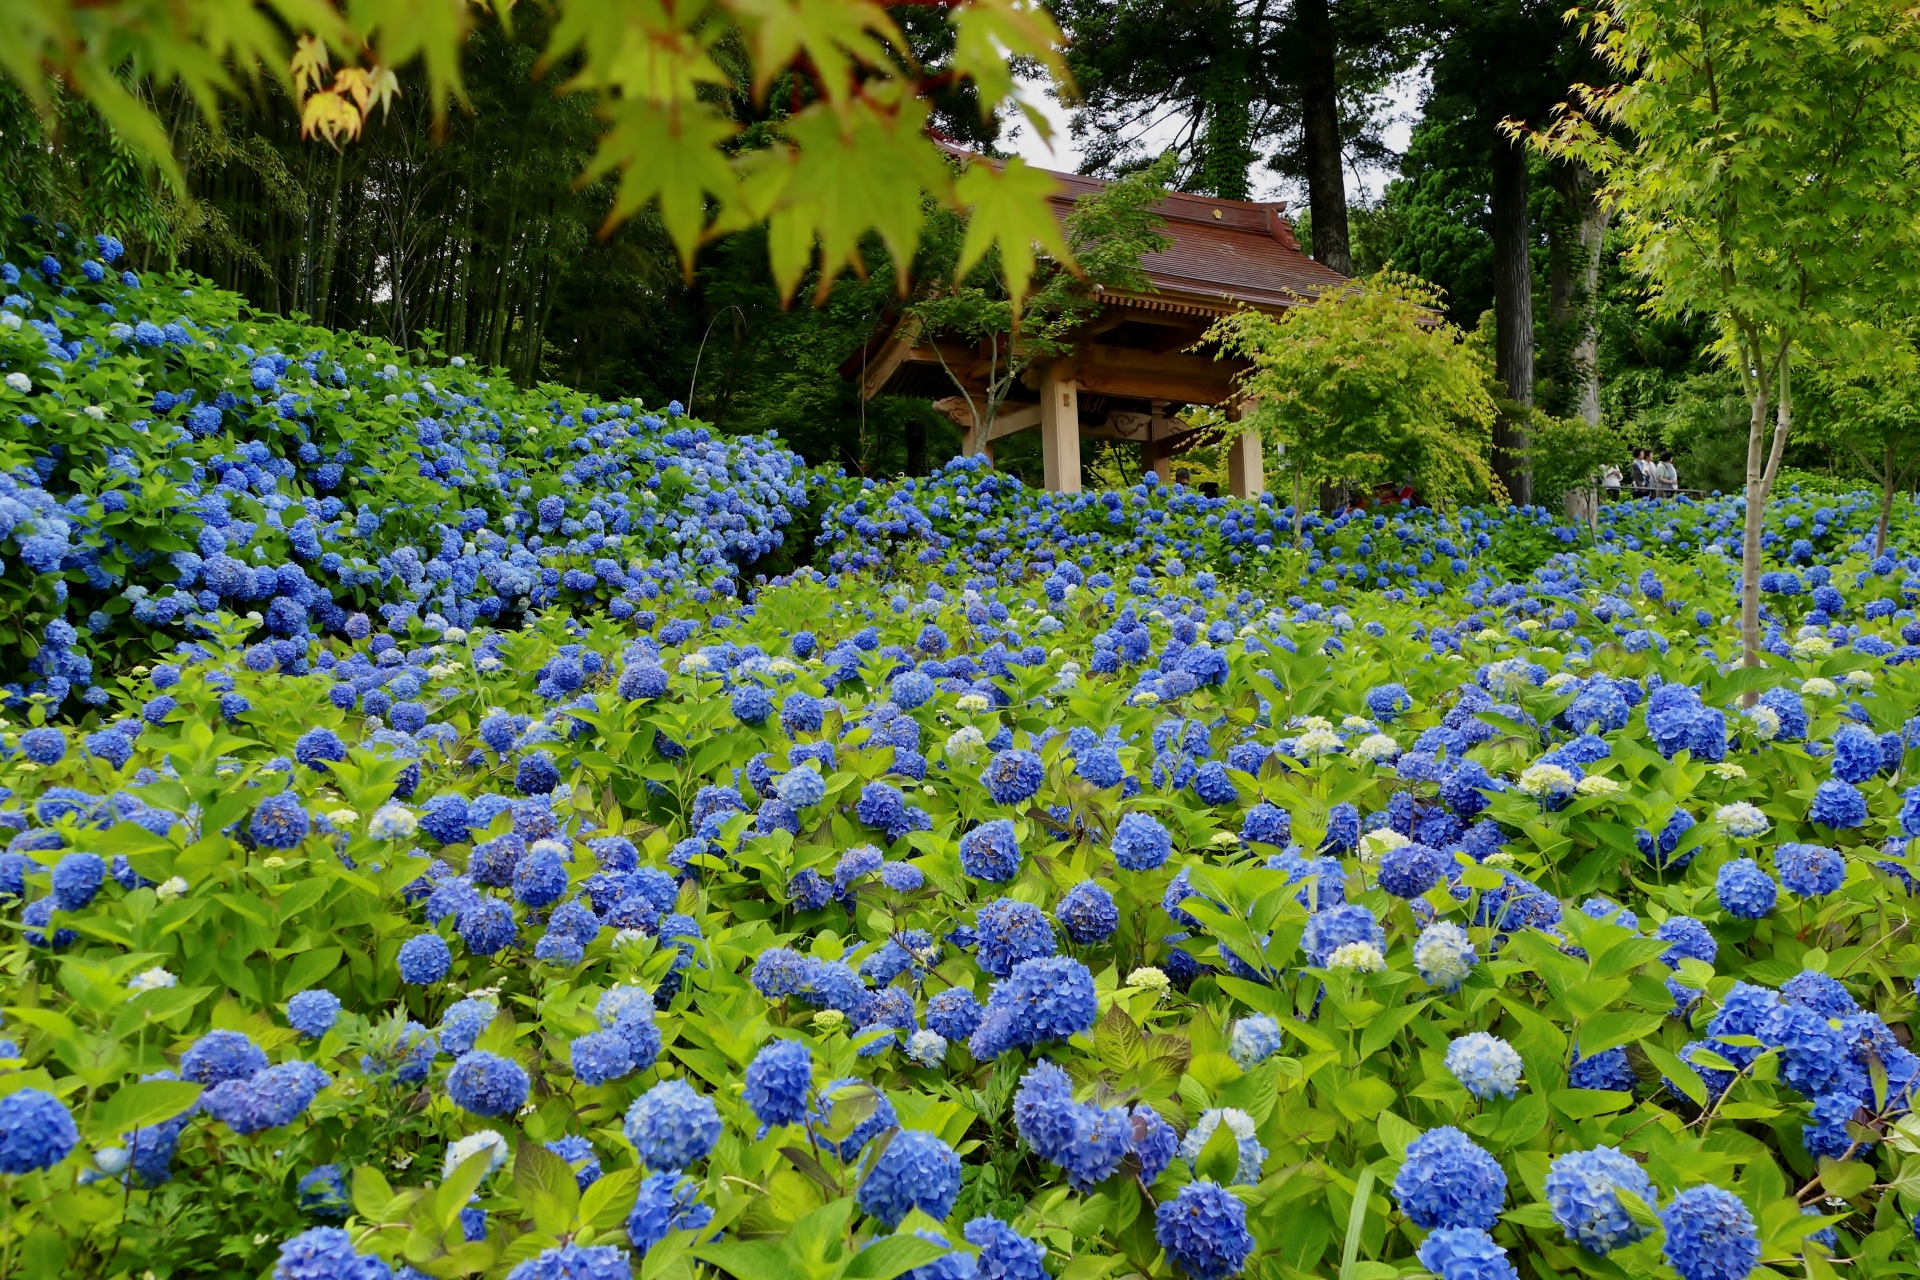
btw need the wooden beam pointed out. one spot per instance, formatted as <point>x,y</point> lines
<point>1060,427</point>
<point>1023,417</point>
<point>893,352</point>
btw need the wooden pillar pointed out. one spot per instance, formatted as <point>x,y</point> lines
<point>1060,428</point>
<point>1159,448</point>
<point>1246,465</point>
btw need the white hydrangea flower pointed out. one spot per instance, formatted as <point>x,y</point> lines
<point>829,1020</point>
<point>465,1149</point>
<point>1545,780</point>
<point>1560,680</point>
<point>1530,625</point>
<point>19,381</point>
<point>1356,724</point>
<point>965,743</point>
<point>1148,978</point>
<point>170,888</point>
<point>1597,786</point>
<point>1817,686</point>
<point>343,817</point>
<point>1357,957</point>
<point>1376,747</point>
<point>1374,844</point>
<point>1727,772</point>
<point>1487,634</point>
<point>974,702</point>
<point>928,1048</point>
<point>95,412</point>
<point>1145,698</point>
<point>393,822</point>
<point>1310,723</point>
<point>1318,742</point>
<point>694,663</point>
<point>1812,647</point>
<point>1499,860</point>
<point>1742,820</point>
<point>1858,679</point>
<point>1766,722</point>
<point>151,980</point>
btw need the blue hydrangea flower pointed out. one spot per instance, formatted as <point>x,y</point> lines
<point>1465,1253</point>
<point>1410,870</point>
<point>954,1013</point>
<point>220,1056</point>
<point>778,1082</point>
<point>1251,1154</point>
<point>991,852</point>
<point>600,1057</point>
<point>36,1131</point>
<point>1253,1040</point>
<point>1448,1181</point>
<point>1140,843</point>
<point>312,1013</point>
<point>1583,1191</point>
<point>916,1171</point>
<point>1327,931</point>
<point>1745,890</point>
<point>667,1202</point>
<point>1810,870</point>
<point>1013,776</point>
<point>424,959</point>
<point>1204,1231</point>
<point>1838,805</point>
<point>487,1084</point>
<point>1010,932</point>
<point>76,879</point>
<point>671,1126</point>
<point>325,1253</point>
<point>1710,1235</point>
<point>1005,1254</point>
<point>1087,913</point>
<point>322,1192</point>
<point>279,822</point>
<point>575,1262</point>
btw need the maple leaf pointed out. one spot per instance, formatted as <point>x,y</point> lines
<point>669,154</point>
<point>308,65</point>
<point>990,34</point>
<point>832,35</point>
<point>329,116</point>
<point>1007,207</point>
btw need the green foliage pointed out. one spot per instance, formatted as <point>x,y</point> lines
<point>850,158</point>
<point>1565,454</point>
<point>1367,384</point>
<point>1704,150</point>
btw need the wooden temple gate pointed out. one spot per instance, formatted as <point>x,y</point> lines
<point>1132,367</point>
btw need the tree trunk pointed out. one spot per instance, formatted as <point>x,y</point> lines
<point>1886,506</point>
<point>1512,312</point>
<point>1586,348</point>
<point>1763,465</point>
<point>1228,153</point>
<point>1320,125</point>
<point>916,447</point>
<point>323,295</point>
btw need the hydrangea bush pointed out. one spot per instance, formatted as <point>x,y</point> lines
<point>1023,892</point>
<point>167,453</point>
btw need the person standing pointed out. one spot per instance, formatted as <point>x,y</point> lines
<point>1666,477</point>
<point>1609,481</point>
<point>1642,477</point>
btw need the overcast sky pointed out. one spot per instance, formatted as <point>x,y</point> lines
<point>1403,95</point>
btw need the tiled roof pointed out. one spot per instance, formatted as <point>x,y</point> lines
<point>1243,250</point>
